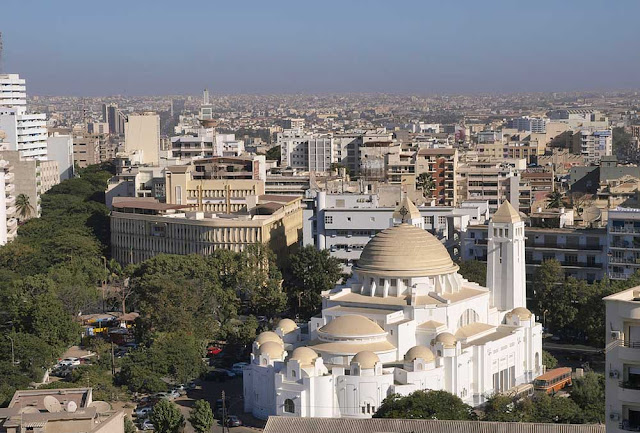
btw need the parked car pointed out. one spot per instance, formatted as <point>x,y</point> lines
<point>143,412</point>
<point>213,351</point>
<point>69,362</point>
<point>162,395</point>
<point>233,421</point>
<point>146,425</point>
<point>238,367</point>
<point>173,394</point>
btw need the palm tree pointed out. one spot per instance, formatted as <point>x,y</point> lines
<point>23,206</point>
<point>426,183</point>
<point>554,200</point>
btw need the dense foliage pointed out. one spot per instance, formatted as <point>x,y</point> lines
<point>425,405</point>
<point>166,417</point>
<point>474,270</point>
<point>201,416</point>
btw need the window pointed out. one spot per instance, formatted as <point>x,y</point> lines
<point>289,406</point>
<point>442,220</point>
<point>328,219</point>
<point>293,373</point>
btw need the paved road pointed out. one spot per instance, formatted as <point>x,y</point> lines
<point>212,391</point>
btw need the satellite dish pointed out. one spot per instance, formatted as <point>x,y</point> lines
<point>101,406</point>
<point>52,404</point>
<point>72,406</point>
<point>591,214</point>
<point>29,409</point>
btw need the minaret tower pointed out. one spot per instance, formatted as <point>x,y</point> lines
<point>506,272</point>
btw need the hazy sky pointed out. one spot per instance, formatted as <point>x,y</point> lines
<point>142,47</point>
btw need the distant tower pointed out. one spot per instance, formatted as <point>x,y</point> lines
<point>506,272</point>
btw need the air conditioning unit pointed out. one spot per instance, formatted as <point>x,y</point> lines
<point>614,416</point>
<point>616,335</point>
<point>614,374</point>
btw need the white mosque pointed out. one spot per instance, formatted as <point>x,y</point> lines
<point>406,320</point>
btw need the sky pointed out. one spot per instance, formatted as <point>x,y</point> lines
<point>161,47</point>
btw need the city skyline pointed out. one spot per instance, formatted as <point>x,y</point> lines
<point>419,48</point>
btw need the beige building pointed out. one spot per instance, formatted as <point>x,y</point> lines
<point>70,410</point>
<point>142,228</point>
<point>26,179</point>
<point>186,186</point>
<point>49,175</point>
<point>442,165</point>
<point>142,134</point>
<point>8,220</point>
<point>86,148</point>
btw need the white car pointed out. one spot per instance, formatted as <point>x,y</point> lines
<point>146,425</point>
<point>67,362</point>
<point>143,412</point>
<point>238,367</point>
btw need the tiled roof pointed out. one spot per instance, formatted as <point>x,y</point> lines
<point>277,424</point>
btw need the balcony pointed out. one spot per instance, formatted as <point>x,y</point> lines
<point>631,230</point>
<point>628,392</point>
<point>627,426</point>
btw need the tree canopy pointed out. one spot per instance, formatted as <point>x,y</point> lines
<point>425,405</point>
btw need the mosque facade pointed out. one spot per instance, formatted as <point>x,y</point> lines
<point>405,321</point>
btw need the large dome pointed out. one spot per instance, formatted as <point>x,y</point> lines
<point>405,251</point>
<point>352,325</point>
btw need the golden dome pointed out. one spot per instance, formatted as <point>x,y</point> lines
<point>287,325</point>
<point>419,352</point>
<point>271,348</point>
<point>352,325</point>
<point>366,359</point>
<point>267,336</point>
<point>447,339</point>
<point>521,312</point>
<point>405,251</point>
<point>304,355</point>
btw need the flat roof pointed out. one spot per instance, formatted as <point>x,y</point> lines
<point>144,203</point>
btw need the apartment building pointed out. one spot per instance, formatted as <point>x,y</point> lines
<point>442,166</point>
<point>494,181</point>
<point>25,132</point>
<point>344,223</point>
<point>540,179</point>
<point>622,366</point>
<point>205,143</point>
<point>26,179</point>
<point>623,238</point>
<point>529,124</point>
<point>592,143</point>
<point>306,151</point>
<point>60,149</point>
<point>582,252</point>
<point>347,145</point>
<point>86,148</point>
<point>8,220</point>
<point>142,228</point>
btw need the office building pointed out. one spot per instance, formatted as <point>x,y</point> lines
<point>622,366</point>
<point>86,148</point>
<point>142,134</point>
<point>142,228</point>
<point>405,321</point>
<point>115,118</point>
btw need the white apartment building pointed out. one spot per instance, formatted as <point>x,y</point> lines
<point>306,151</point>
<point>8,221</point>
<point>344,223</point>
<point>593,143</point>
<point>60,149</point>
<point>623,239</point>
<point>25,132</point>
<point>205,143</point>
<point>622,374</point>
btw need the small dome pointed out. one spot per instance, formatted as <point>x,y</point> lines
<point>366,359</point>
<point>287,325</point>
<point>405,251</point>
<point>271,348</point>
<point>521,312</point>
<point>352,325</point>
<point>304,355</point>
<point>447,339</point>
<point>267,336</point>
<point>419,352</point>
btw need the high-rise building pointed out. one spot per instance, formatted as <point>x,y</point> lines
<point>60,149</point>
<point>142,134</point>
<point>592,143</point>
<point>8,220</point>
<point>86,148</point>
<point>115,118</point>
<point>26,179</point>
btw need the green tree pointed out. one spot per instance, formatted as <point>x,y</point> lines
<point>166,417</point>
<point>425,405</point>
<point>548,360</point>
<point>201,416</point>
<point>502,408</point>
<point>273,154</point>
<point>474,270</point>
<point>555,200</point>
<point>24,207</point>
<point>559,410</point>
<point>142,371</point>
<point>547,279</point>
<point>310,272</point>
<point>588,394</point>
<point>183,354</point>
<point>425,182</point>
<point>129,426</point>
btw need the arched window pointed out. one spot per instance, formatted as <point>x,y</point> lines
<point>293,373</point>
<point>468,317</point>
<point>289,406</point>
<point>537,360</point>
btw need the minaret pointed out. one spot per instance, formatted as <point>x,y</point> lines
<point>506,272</point>
<point>407,213</point>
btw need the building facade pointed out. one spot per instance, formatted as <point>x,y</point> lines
<point>623,240</point>
<point>60,149</point>
<point>405,321</point>
<point>86,149</point>
<point>305,151</point>
<point>142,134</point>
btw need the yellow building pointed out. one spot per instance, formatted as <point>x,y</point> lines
<point>142,228</point>
<point>188,187</point>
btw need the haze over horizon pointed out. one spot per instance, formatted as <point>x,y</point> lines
<point>147,48</point>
